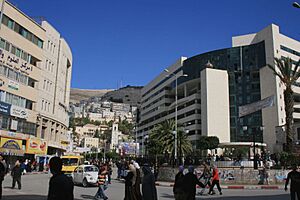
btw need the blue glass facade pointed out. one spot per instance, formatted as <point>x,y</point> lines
<point>243,64</point>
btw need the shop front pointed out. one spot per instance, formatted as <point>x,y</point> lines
<point>37,148</point>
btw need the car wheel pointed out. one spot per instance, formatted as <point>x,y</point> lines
<point>85,183</point>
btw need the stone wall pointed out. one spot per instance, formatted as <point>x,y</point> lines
<point>230,175</point>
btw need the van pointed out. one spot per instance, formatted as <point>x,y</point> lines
<point>70,162</point>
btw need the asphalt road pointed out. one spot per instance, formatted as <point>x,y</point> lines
<point>35,187</point>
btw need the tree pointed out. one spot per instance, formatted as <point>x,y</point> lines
<point>163,133</point>
<point>208,142</point>
<point>288,76</point>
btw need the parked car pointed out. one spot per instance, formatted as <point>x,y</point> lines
<point>86,175</point>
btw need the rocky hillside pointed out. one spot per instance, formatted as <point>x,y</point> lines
<point>77,95</point>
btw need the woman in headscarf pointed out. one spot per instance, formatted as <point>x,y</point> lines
<point>137,185</point>
<point>129,184</point>
<point>148,185</point>
<point>178,186</point>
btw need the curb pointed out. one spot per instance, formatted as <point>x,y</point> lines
<point>233,187</point>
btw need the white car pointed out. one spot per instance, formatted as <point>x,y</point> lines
<point>86,175</point>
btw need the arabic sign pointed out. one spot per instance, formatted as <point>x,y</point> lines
<point>36,146</point>
<point>256,106</point>
<point>14,62</point>
<point>10,146</point>
<point>13,85</point>
<point>18,112</point>
<point>5,108</point>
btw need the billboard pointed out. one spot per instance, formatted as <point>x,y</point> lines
<point>128,148</point>
<point>9,146</point>
<point>36,146</point>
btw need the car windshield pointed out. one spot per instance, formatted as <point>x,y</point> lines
<point>91,169</point>
<point>70,161</point>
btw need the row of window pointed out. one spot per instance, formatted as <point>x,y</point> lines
<point>23,126</point>
<point>16,100</point>
<point>284,48</point>
<point>49,66</point>
<point>45,106</point>
<point>4,44</point>
<point>47,85</point>
<point>51,46</point>
<point>22,31</point>
<point>16,76</point>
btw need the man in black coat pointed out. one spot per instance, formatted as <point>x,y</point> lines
<point>148,184</point>
<point>60,186</point>
<point>294,176</point>
<point>16,174</point>
<point>190,181</point>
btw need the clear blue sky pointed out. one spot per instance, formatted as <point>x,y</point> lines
<point>134,40</point>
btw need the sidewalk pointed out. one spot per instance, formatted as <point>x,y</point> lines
<point>239,187</point>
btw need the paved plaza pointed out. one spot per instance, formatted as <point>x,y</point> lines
<point>35,187</point>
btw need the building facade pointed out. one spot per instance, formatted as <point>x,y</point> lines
<point>217,84</point>
<point>35,76</point>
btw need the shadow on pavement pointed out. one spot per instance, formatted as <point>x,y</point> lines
<point>265,197</point>
<point>25,197</point>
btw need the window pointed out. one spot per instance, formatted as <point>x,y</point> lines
<point>17,28</point>
<point>2,43</point>
<point>7,46</point>
<point>10,24</point>
<point>29,104</point>
<point>40,43</point>
<point>12,74</point>
<point>18,52</point>
<point>13,50</point>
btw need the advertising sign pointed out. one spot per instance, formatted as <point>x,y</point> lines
<point>128,148</point>
<point>4,108</point>
<point>13,85</point>
<point>17,111</point>
<point>256,106</point>
<point>11,146</point>
<point>36,146</point>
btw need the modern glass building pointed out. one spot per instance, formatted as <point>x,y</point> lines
<point>217,83</point>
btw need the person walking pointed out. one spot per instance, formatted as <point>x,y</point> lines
<point>190,181</point>
<point>148,184</point>
<point>178,185</point>
<point>294,176</point>
<point>2,174</point>
<point>206,175</point>
<point>61,187</point>
<point>215,181</point>
<point>103,184</point>
<point>129,183</point>
<point>137,185</point>
<point>16,174</point>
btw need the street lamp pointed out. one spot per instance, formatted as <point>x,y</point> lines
<point>296,4</point>
<point>176,99</point>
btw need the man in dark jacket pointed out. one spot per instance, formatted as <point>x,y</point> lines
<point>190,181</point>
<point>148,184</point>
<point>60,186</point>
<point>2,174</point>
<point>178,185</point>
<point>16,174</point>
<point>294,176</point>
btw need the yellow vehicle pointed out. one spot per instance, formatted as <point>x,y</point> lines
<point>70,162</point>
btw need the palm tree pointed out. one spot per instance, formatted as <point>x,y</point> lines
<point>288,76</point>
<point>163,132</point>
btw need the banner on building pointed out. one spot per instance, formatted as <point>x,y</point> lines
<point>13,85</point>
<point>256,106</point>
<point>36,146</point>
<point>5,108</point>
<point>17,111</point>
<point>9,146</point>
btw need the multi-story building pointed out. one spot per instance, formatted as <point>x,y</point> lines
<point>217,83</point>
<point>35,73</point>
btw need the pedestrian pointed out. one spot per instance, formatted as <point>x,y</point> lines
<point>137,184</point>
<point>294,176</point>
<point>2,174</point>
<point>215,181</point>
<point>206,175</point>
<point>190,181</point>
<point>148,185</point>
<point>103,184</point>
<point>178,185</point>
<point>129,183</point>
<point>60,186</point>
<point>16,174</point>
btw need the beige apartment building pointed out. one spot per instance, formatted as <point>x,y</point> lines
<point>35,77</point>
<point>213,85</point>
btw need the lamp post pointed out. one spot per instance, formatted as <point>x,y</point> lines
<point>296,4</point>
<point>176,99</point>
